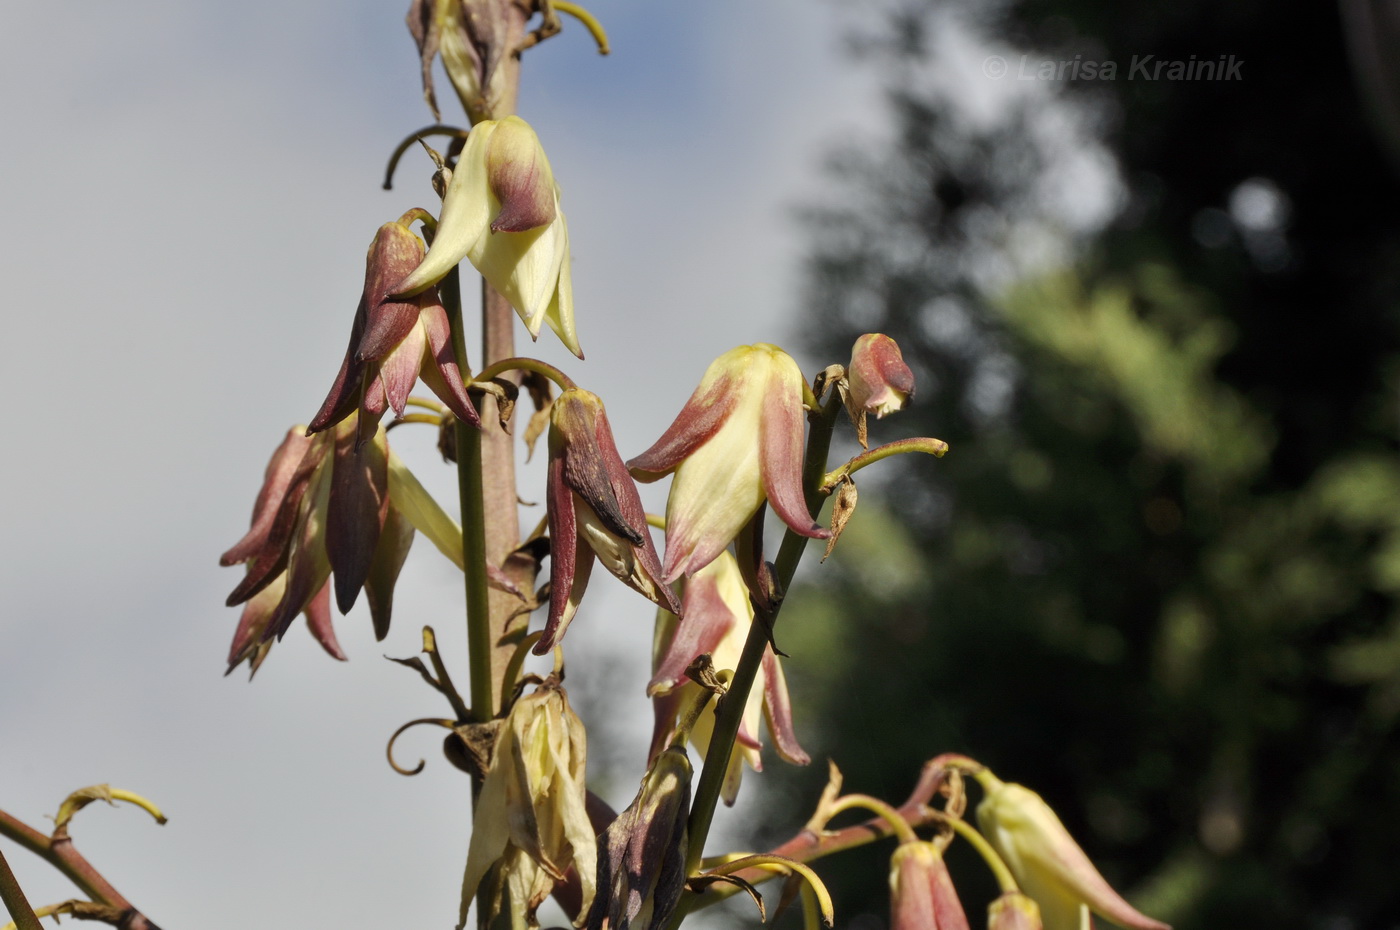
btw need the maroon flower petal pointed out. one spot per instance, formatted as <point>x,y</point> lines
<point>271,560</point>
<point>567,557</point>
<point>277,479</point>
<point>780,461</point>
<point>707,618</point>
<point>777,710</point>
<point>359,500</point>
<point>443,376</point>
<point>318,621</point>
<point>699,419</point>
<point>394,541</point>
<point>399,369</point>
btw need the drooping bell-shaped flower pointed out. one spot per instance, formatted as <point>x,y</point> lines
<point>715,620</point>
<point>641,856</point>
<point>501,211</point>
<point>922,896</point>
<point>737,442</point>
<point>531,815</point>
<point>324,508</point>
<point>594,509</point>
<point>393,342</point>
<point>1047,863</point>
<point>880,382</point>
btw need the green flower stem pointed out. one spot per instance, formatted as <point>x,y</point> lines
<point>12,896</point>
<point>526,364</point>
<point>469,485</point>
<point>924,444</point>
<point>984,849</point>
<point>897,823</point>
<point>730,711</point>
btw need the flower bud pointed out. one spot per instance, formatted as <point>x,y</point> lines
<point>922,896</point>
<point>737,442</point>
<point>1047,863</point>
<point>879,380</point>
<point>1013,911</point>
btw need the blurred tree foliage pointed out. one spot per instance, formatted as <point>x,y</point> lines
<point>1157,576</point>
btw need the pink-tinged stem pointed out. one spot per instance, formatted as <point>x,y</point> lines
<point>62,855</point>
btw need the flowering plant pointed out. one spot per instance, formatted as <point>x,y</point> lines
<point>338,511</point>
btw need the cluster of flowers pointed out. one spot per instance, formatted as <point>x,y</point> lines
<point>339,509</point>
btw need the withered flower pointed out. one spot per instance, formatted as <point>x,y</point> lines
<point>473,37</point>
<point>393,342</point>
<point>323,508</point>
<point>594,509</point>
<point>641,856</point>
<point>716,618</point>
<point>531,816</point>
<point>737,442</point>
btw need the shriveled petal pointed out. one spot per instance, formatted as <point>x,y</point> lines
<point>308,567</point>
<point>271,559</point>
<point>248,637</point>
<point>389,555</point>
<point>423,26</point>
<point>1047,863</point>
<point>277,479</point>
<point>520,178</point>
<point>359,500</point>
<point>466,214</point>
<point>490,825</point>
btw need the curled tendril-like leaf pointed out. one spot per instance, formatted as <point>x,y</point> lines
<point>389,749</point>
<point>85,796</point>
<point>437,129</point>
<point>701,882</point>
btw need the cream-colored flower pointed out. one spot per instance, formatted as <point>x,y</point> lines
<point>1046,861</point>
<point>501,211</point>
<point>736,443</point>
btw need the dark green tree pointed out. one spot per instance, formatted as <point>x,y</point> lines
<point>1156,578</point>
